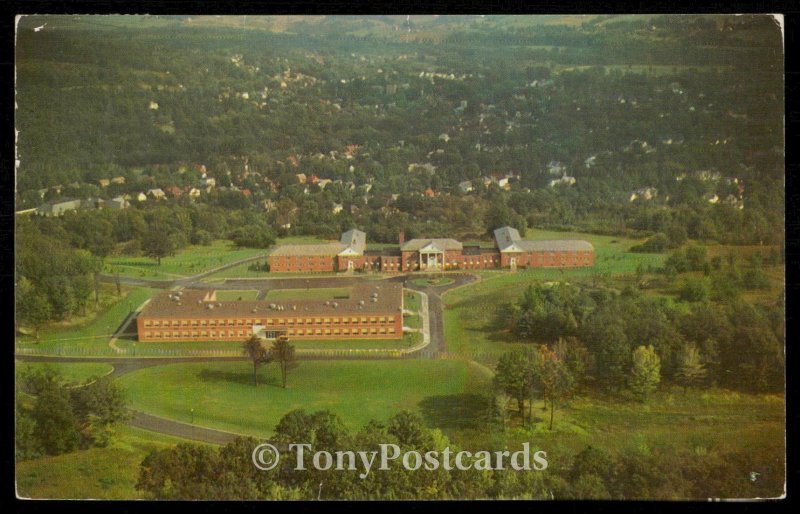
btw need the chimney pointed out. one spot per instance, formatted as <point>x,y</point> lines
<point>402,237</point>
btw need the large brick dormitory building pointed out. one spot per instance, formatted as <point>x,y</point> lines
<point>370,312</point>
<point>510,251</point>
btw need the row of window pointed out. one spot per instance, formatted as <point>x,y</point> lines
<point>332,321</point>
<point>186,334</point>
<point>337,331</point>
<point>177,334</point>
<point>269,321</point>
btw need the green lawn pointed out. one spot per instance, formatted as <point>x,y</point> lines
<point>186,262</point>
<point>90,338</point>
<point>412,301</point>
<point>72,372</point>
<point>238,271</point>
<point>223,396</point>
<point>234,294</point>
<point>469,310</point>
<point>96,473</point>
<point>426,282</point>
<point>412,321</point>
<point>319,293</point>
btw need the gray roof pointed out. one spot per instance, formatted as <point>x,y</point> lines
<point>554,245</point>
<point>506,237</point>
<point>300,250</point>
<point>445,244</point>
<point>355,239</point>
<point>195,303</point>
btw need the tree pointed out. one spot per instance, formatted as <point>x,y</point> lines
<point>691,369</point>
<point>157,243</point>
<point>516,375</point>
<point>254,349</point>
<point>283,353</point>
<point>557,381</point>
<point>55,419</point>
<point>645,371</point>
<point>32,306</point>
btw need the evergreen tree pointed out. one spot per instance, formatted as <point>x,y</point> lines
<point>645,371</point>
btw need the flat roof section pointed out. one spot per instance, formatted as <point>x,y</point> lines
<point>383,298</point>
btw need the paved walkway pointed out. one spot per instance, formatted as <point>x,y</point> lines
<point>180,429</point>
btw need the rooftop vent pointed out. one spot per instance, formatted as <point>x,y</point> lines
<point>327,302</point>
<point>374,300</point>
<point>361,302</point>
<point>255,310</point>
<point>179,303</point>
<point>210,306</point>
<point>219,304</point>
<point>272,306</point>
<point>294,307</point>
<point>335,305</point>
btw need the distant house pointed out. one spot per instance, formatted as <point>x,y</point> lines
<point>424,167</point>
<point>141,197</point>
<point>323,183</point>
<point>118,180</point>
<point>104,182</point>
<point>711,198</point>
<point>429,193</point>
<point>157,194</point>
<point>565,180</point>
<point>269,205</point>
<point>337,208</point>
<point>194,192</point>
<point>313,180</point>
<point>556,168</point>
<point>211,182</point>
<point>444,137</point>
<point>644,193</point>
<point>58,208</point>
<point>487,181</point>
<point>733,201</point>
<point>93,202</point>
<point>118,203</point>
<point>301,178</point>
<point>465,187</point>
<point>246,192</point>
<point>175,191</point>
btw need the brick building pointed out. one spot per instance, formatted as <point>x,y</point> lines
<point>509,251</point>
<point>559,253</point>
<point>370,312</point>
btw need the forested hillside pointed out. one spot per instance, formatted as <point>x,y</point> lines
<point>688,106</point>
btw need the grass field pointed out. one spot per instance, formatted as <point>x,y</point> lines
<point>233,294</point>
<point>469,310</point>
<point>96,473</point>
<point>189,261</point>
<point>701,424</point>
<point>73,373</point>
<point>412,301</point>
<point>412,321</point>
<point>320,293</point>
<point>223,396</point>
<point>92,336</point>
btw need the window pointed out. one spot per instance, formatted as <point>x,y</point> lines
<point>148,323</point>
<point>156,323</point>
<point>364,331</point>
<point>212,323</point>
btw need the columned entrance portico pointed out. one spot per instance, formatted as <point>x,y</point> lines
<point>431,257</point>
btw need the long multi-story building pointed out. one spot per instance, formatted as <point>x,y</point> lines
<point>509,251</point>
<point>371,311</point>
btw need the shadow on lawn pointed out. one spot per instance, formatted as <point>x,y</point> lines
<point>456,411</point>
<point>236,377</point>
